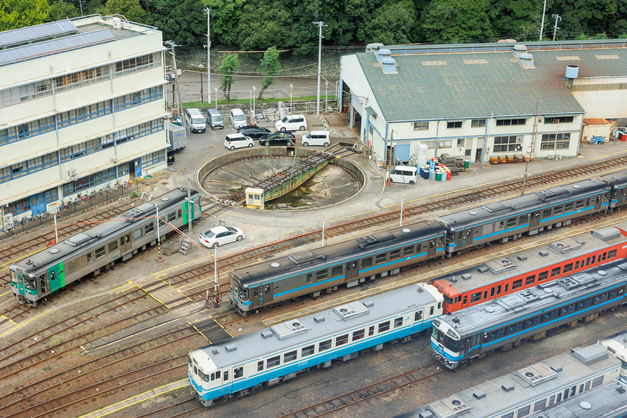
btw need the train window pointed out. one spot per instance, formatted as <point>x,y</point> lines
<point>612,294</point>
<point>530,280</point>
<point>546,213</point>
<point>321,275</point>
<point>431,310</point>
<point>309,277</point>
<point>496,334</point>
<point>557,210</point>
<point>113,245</point>
<point>485,294</point>
<point>597,382</point>
<point>522,220</point>
<point>550,315</point>
<point>568,267</point>
<point>559,398</point>
<point>195,370</point>
<point>341,340</point>
<point>272,362</point>
<point>551,400</point>
<point>398,322</point>
<point>381,258</point>
<point>577,265</point>
<point>543,276</point>
<point>465,299</point>
<point>225,375</point>
<point>366,262</point>
<point>359,334</point>
<point>475,297</point>
<point>171,216</point>
<point>593,259</point>
<point>603,257</point>
<point>408,251</point>
<point>324,346</point>
<point>539,406</point>
<point>267,289</point>
<point>384,326</point>
<point>507,288</point>
<point>149,228</point>
<point>100,252</point>
<point>259,366</point>
<point>161,223</point>
<point>611,254</point>
<point>179,213</point>
<point>336,271</point>
<point>566,394</point>
<point>218,374</point>
<point>88,258</point>
<point>291,356</point>
<point>584,304</point>
<point>137,234</point>
<point>492,291</point>
<point>307,351</point>
<point>237,373</point>
<point>510,415</point>
<point>568,309</point>
<point>371,329</point>
<point>587,385</point>
<point>514,328</point>
<point>501,225</point>
<point>53,275</point>
<point>532,321</point>
<point>395,255</point>
<point>581,388</point>
<point>556,271</point>
<point>432,242</point>
<point>600,298</point>
<point>587,261</point>
<point>498,289</point>
<point>213,375</point>
<point>588,200</point>
<point>418,316</point>
<point>517,284</point>
<point>580,204</point>
<point>255,292</point>
<point>568,207</point>
<point>524,411</point>
<point>42,283</point>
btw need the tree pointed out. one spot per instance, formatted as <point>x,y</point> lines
<point>180,21</point>
<point>230,64</point>
<point>388,24</point>
<point>265,23</point>
<point>130,9</point>
<point>269,66</point>
<point>519,19</point>
<point>21,13</point>
<point>60,10</point>
<point>456,21</point>
<point>225,18</point>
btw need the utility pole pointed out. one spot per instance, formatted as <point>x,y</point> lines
<point>176,82</point>
<point>542,24</point>
<point>202,97</point>
<point>208,11</point>
<point>320,25</point>
<point>557,19</point>
<point>190,205</point>
<point>531,148</point>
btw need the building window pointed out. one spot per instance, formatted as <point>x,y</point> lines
<point>510,122</point>
<point>461,142</point>
<point>421,126</point>
<point>555,141</point>
<point>454,125</point>
<point>477,123</point>
<point>561,119</point>
<point>506,144</point>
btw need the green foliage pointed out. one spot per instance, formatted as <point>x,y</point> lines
<point>518,19</point>
<point>181,21</point>
<point>130,9</point>
<point>20,13</point>
<point>229,66</point>
<point>600,36</point>
<point>389,24</point>
<point>225,17</point>
<point>456,21</point>
<point>264,23</point>
<point>269,66</point>
<point>60,10</point>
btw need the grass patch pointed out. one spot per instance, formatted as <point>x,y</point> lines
<point>247,101</point>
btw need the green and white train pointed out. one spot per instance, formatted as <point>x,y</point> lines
<point>40,276</point>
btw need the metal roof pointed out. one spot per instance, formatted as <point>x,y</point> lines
<point>35,33</point>
<point>54,46</point>
<point>470,85</point>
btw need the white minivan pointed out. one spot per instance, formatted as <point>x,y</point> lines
<point>233,141</point>
<point>402,174</point>
<point>316,138</point>
<point>238,120</point>
<point>195,120</point>
<point>292,123</point>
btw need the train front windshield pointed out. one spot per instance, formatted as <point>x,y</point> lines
<point>445,340</point>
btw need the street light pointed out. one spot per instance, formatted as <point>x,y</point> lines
<point>291,87</point>
<point>201,93</point>
<point>216,97</point>
<point>254,94</point>
<point>326,95</point>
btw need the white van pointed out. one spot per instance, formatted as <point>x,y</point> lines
<point>402,174</point>
<point>237,118</point>
<point>214,118</point>
<point>195,120</point>
<point>233,141</point>
<point>316,138</point>
<point>292,123</point>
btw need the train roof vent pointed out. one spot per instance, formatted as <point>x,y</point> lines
<point>302,257</point>
<point>288,329</point>
<point>266,334</point>
<point>370,240</point>
<point>522,257</point>
<point>607,234</point>
<point>466,276</point>
<point>552,193</point>
<point>536,374</point>
<point>78,240</point>
<point>516,300</point>
<point>426,414</point>
<point>496,207</point>
<point>508,387</point>
<point>565,245</point>
<point>449,407</point>
<point>590,354</point>
<point>350,310</point>
<point>230,348</point>
<point>479,394</point>
<point>482,269</point>
<point>500,265</point>
<point>576,280</point>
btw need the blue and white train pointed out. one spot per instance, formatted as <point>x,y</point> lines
<point>282,351</point>
<point>502,323</point>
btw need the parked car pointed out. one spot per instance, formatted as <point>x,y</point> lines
<point>233,141</point>
<point>214,118</point>
<point>402,174</point>
<point>253,131</point>
<point>195,120</point>
<point>237,118</point>
<point>277,139</point>
<point>220,235</point>
<point>292,123</point>
<point>316,138</point>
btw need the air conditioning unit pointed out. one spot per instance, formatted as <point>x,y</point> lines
<point>7,221</point>
<point>117,23</point>
<point>71,173</point>
<point>114,160</point>
<point>53,208</point>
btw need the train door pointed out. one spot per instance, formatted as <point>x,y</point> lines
<point>125,243</point>
<point>431,249</point>
<point>43,286</point>
<point>352,271</point>
<point>54,275</point>
<point>20,283</point>
<point>534,219</point>
<point>226,381</point>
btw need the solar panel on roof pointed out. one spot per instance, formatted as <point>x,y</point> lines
<point>33,33</point>
<point>55,46</point>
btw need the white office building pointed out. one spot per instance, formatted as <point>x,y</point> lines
<point>81,107</point>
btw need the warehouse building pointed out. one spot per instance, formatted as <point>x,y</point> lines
<point>81,107</point>
<point>483,101</point>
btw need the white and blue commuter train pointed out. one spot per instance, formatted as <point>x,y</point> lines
<point>502,323</point>
<point>280,352</point>
<point>537,389</point>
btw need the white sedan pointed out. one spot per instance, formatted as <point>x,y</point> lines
<point>220,235</point>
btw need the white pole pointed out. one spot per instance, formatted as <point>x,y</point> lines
<point>56,236</point>
<point>208,10</point>
<point>319,64</point>
<point>254,93</point>
<point>322,243</point>
<point>542,24</point>
<point>291,105</point>
<point>326,95</point>
<point>216,97</point>
<point>215,273</point>
<point>158,233</point>
<point>401,212</point>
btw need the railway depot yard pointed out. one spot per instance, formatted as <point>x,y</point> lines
<point>121,339</point>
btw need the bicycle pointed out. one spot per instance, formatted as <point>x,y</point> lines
<point>219,223</point>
